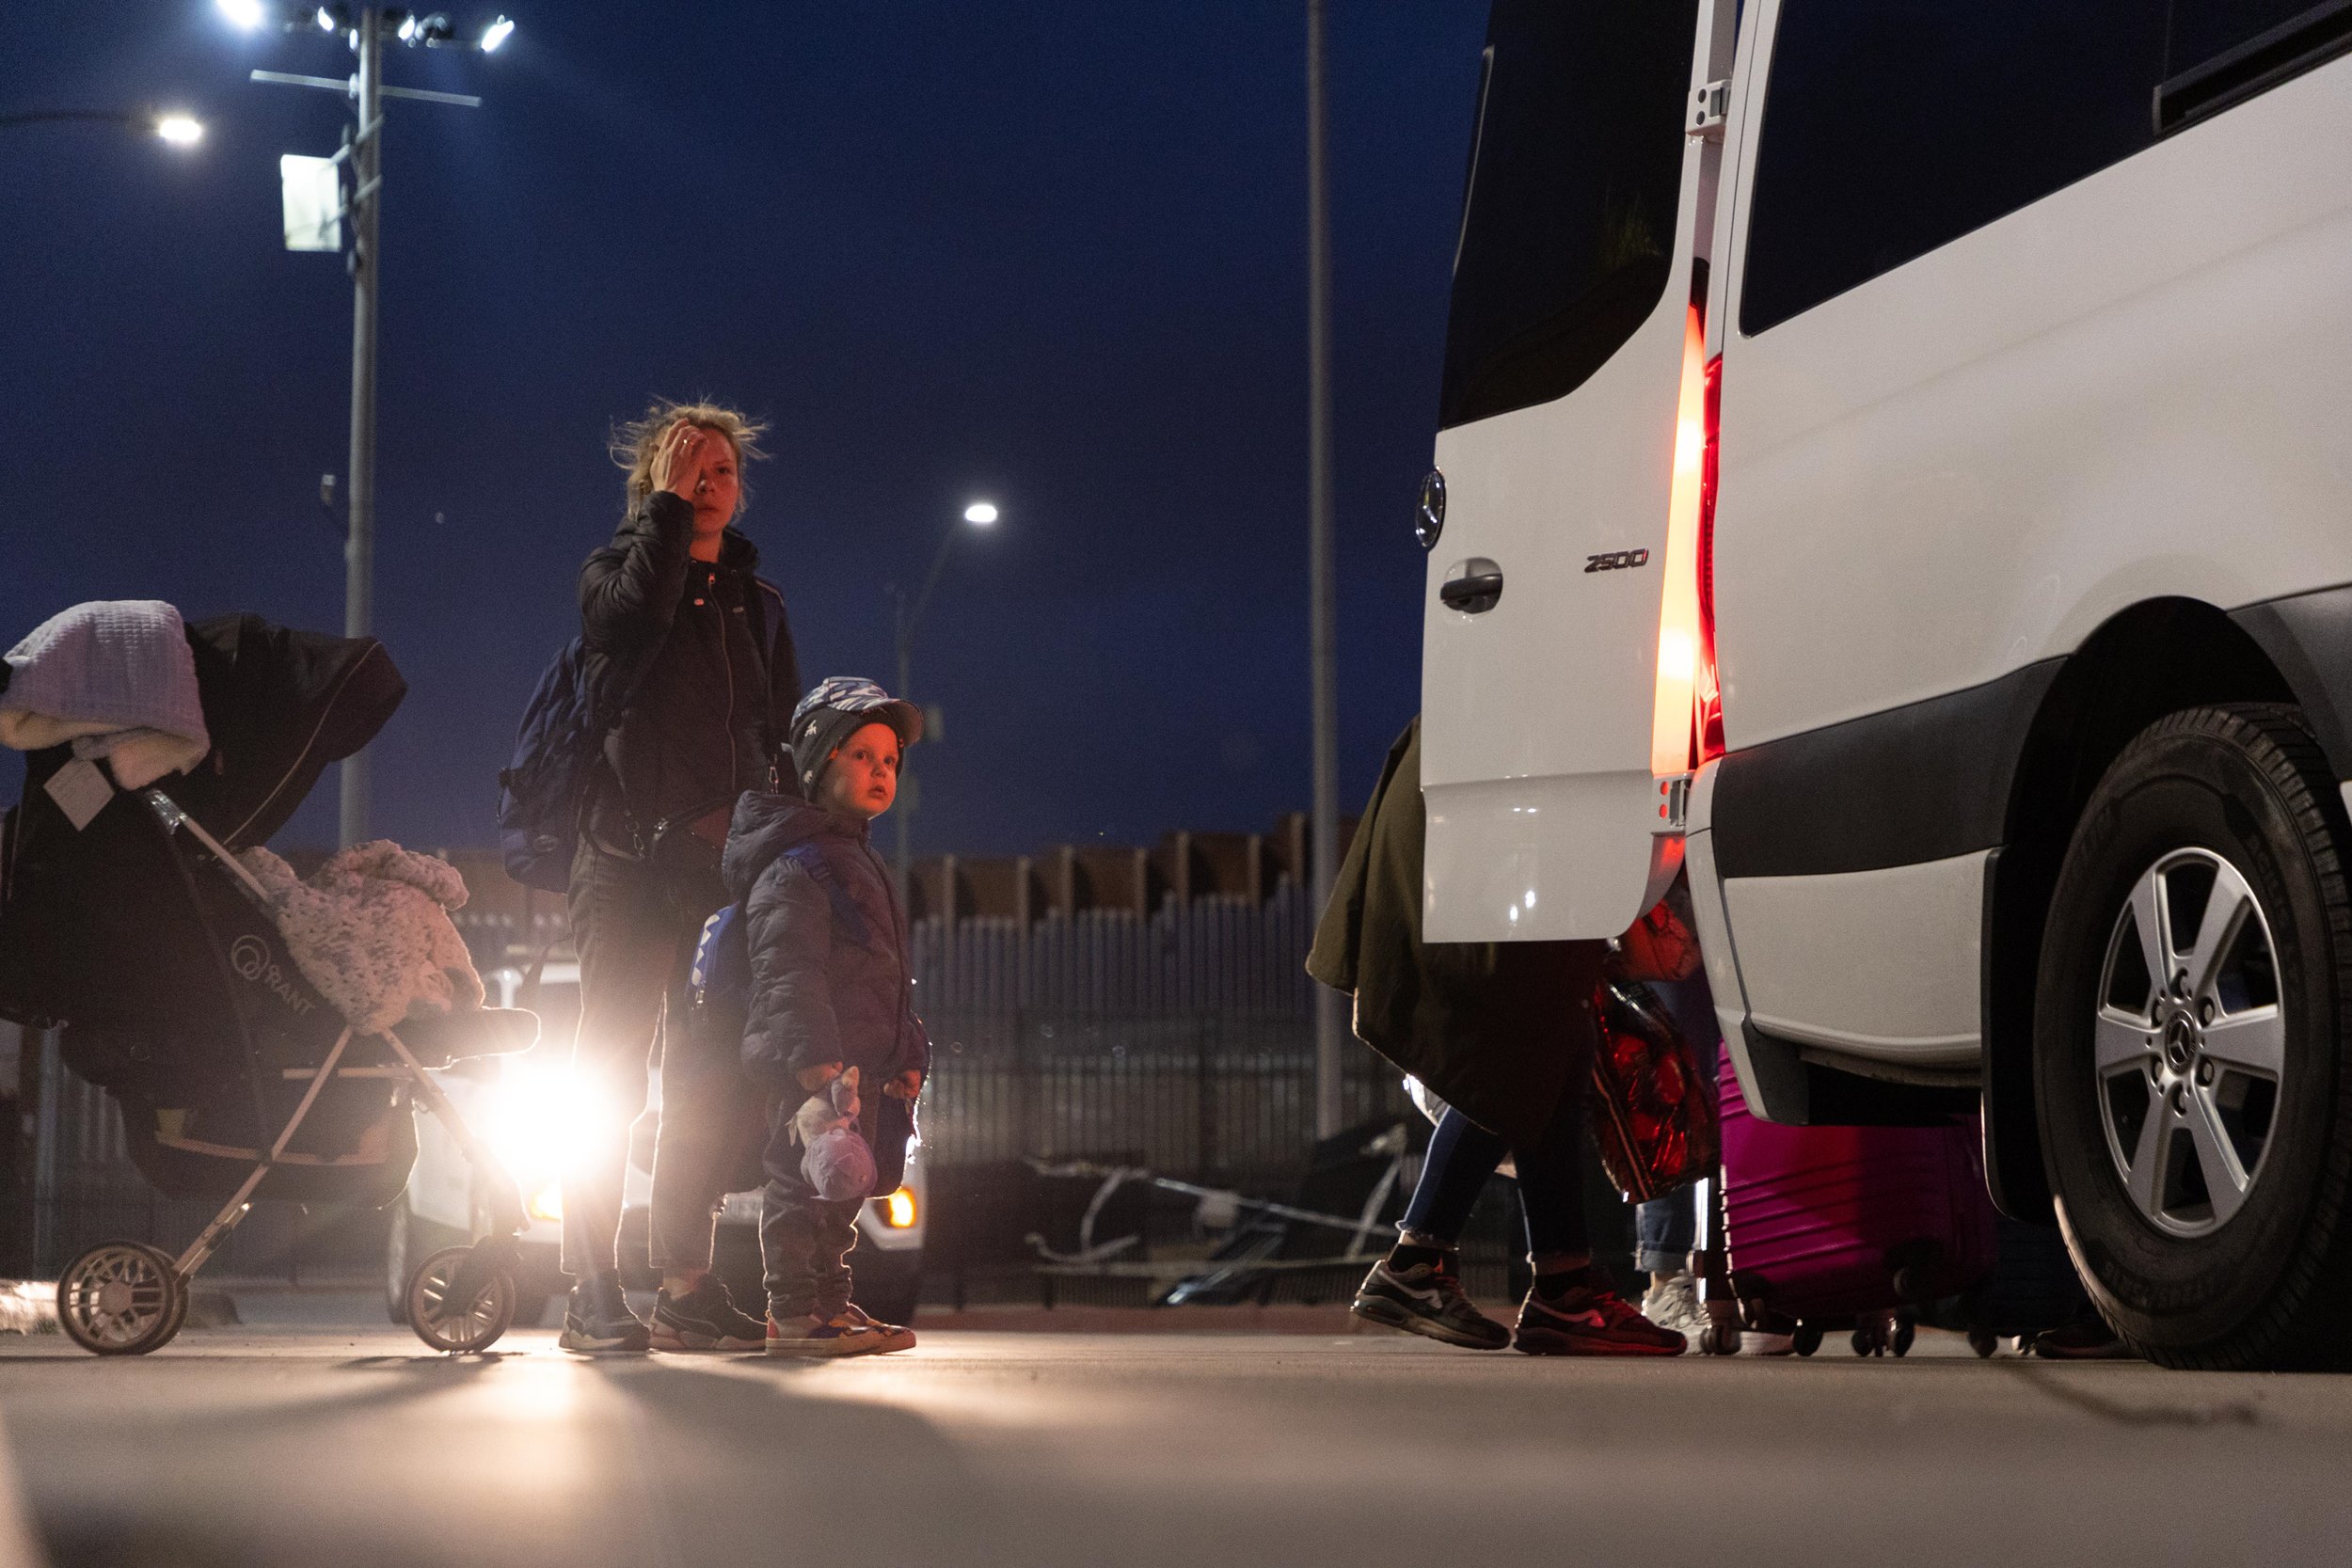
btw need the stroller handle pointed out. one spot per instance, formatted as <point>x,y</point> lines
<point>168,811</point>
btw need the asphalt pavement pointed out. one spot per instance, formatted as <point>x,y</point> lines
<point>307,1443</point>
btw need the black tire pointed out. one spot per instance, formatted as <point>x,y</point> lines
<point>458,1327</point>
<point>2249,1271</point>
<point>409,1242</point>
<point>1807,1340</point>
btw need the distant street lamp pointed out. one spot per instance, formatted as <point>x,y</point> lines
<point>178,129</point>
<point>367,29</point>
<point>979,515</point>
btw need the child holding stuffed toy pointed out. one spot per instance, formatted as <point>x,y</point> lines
<point>831,1032</point>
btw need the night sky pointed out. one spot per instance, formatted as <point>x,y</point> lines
<point>1048,254</point>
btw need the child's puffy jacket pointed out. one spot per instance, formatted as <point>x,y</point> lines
<point>828,945</point>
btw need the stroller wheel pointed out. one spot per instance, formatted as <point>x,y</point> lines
<point>120,1298</point>
<point>458,1327</point>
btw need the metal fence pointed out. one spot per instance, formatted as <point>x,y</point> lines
<point>1182,1040</point>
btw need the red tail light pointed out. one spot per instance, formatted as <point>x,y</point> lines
<point>1706,690</point>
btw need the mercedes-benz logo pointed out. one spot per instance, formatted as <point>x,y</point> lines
<point>249,956</point>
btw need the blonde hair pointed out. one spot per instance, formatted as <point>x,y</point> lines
<point>634,444</point>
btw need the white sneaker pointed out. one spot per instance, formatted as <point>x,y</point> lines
<point>1675,1304</point>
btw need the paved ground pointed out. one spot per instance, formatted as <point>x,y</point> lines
<point>303,1444</point>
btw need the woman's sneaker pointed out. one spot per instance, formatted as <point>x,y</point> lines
<point>597,1322</point>
<point>842,1334</point>
<point>1590,1320</point>
<point>1426,1299</point>
<point>705,1319</point>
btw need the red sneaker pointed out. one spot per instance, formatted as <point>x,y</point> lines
<point>1590,1320</point>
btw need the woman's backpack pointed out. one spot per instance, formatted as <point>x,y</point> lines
<point>539,790</point>
<point>561,741</point>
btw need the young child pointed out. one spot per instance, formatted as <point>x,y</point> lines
<point>830,991</point>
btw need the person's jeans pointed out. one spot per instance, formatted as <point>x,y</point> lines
<point>1666,1227</point>
<point>805,1240</point>
<point>1463,1154</point>
<point>631,944</point>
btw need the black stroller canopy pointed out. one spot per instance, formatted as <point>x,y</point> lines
<point>281,704</point>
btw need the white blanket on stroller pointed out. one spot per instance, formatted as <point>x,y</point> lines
<point>114,677</point>
<point>370,930</point>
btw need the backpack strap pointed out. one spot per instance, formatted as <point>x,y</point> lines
<point>846,917</point>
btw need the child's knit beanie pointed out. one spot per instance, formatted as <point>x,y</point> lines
<point>838,708</point>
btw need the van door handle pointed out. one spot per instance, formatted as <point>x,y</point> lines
<point>1474,587</point>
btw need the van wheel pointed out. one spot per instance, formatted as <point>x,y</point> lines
<point>2190,1044</point>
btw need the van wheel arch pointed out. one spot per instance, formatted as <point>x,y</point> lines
<point>2157,657</point>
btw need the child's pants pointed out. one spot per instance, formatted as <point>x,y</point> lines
<point>804,1241</point>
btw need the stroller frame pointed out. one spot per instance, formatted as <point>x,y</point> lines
<point>129,1298</point>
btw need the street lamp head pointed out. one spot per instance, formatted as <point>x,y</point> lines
<point>245,15</point>
<point>980,514</point>
<point>328,21</point>
<point>494,34</point>
<point>179,130</point>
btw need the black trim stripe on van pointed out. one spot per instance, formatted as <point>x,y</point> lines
<point>1923,781</point>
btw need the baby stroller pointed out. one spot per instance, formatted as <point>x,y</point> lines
<point>141,934</point>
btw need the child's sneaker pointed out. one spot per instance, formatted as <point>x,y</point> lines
<point>839,1334</point>
<point>705,1319</point>
<point>1590,1319</point>
<point>895,1336</point>
<point>1426,1299</point>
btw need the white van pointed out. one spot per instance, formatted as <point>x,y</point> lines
<point>1896,464</point>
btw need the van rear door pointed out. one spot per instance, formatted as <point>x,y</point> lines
<point>1571,360</point>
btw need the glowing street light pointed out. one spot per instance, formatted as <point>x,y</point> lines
<point>494,34</point>
<point>178,129</point>
<point>245,15</point>
<point>980,514</point>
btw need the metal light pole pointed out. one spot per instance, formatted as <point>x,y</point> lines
<point>979,514</point>
<point>367,192</point>
<point>1322,614</point>
<point>367,29</point>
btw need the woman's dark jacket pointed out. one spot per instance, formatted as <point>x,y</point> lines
<point>830,978</point>
<point>675,649</point>
<point>1498,1030</point>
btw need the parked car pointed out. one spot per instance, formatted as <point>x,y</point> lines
<point>523,1108</point>
<point>1892,471</point>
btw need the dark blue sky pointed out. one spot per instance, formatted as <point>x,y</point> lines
<point>1052,254</point>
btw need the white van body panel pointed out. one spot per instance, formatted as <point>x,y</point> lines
<point>2134,388</point>
<point>1537,715</point>
<point>1872,963</point>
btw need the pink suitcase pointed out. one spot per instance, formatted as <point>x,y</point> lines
<point>1836,1226</point>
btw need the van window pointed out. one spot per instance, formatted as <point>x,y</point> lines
<point>1894,126</point>
<point>1568,210</point>
<point>2223,51</point>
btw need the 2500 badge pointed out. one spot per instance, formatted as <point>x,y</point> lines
<point>1616,561</point>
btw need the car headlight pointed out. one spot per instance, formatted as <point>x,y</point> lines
<point>540,1123</point>
<point>898,1210</point>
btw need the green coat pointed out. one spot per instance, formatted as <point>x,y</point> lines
<point>1497,1030</point>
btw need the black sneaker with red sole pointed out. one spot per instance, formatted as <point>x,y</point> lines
<point>1589,1320</point>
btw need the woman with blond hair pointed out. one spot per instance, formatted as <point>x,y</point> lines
<point>691,675</point>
